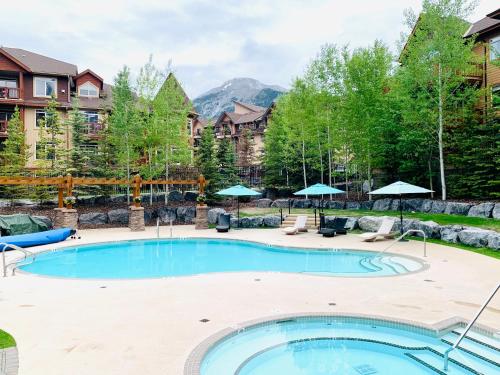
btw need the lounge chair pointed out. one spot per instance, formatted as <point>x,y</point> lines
<point>338,225</point>
<point>223,223</point>
<point>384,231</point>
<point>299,226</point>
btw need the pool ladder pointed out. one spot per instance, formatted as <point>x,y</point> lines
<point>396,240</point>
<point>469,326</point>
<point>6,265</point>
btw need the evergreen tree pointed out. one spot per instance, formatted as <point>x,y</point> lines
<point>206,161</point>
<point>51,139</point>
<point>246,146</point>
<point>226,161</point>
<point>79,159</point>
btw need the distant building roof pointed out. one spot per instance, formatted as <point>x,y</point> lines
<point>485,24</point>
<point>41,64</point>
<point>251,107</point>
<point>104,102</point>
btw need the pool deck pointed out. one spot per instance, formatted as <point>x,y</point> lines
<point>69,326</point>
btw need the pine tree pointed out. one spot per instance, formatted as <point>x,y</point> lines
<point>56,152</point>
<point>246,145</point>
<point>206,161</point>
<point>226,161</point>
<point>79,160</point>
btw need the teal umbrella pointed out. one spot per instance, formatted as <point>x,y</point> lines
<point>400,188</point>
<point>238,191</point>
<point>318,189</point>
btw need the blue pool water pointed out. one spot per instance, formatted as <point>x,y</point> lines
<point>181,257</point>
<point>347,346</point>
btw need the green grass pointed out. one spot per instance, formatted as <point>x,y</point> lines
<point>6,340</point>
<point>479,250</point>
<point>442,219</point>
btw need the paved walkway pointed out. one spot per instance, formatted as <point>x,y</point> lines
<point>150,326</point>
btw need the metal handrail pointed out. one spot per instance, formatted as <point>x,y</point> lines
<point>6,246</point>
<point>469,326</point>
<point>396,240</point>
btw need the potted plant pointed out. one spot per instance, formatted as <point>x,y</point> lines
<point>201,199</point>
<point>137,201</point>
<point>69,201</point>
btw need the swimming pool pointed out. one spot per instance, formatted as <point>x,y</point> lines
<point>182,257</point>
<point>346,346</point>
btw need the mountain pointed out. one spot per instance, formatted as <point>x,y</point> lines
<point>247,90</point>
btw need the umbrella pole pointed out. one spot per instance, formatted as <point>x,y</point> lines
<point>401,218</point>
<point>238,200</point>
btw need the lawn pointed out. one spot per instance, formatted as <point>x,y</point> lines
<point>480,250</point>
<point>442,219</point>
<point>6,340</point>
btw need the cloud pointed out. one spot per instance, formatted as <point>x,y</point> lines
<point>208,41</point>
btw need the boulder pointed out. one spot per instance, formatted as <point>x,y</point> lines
<point>352,222</point>
<point>336,205</point>
<point>302,203</point>
<point>280,203</point>
<point>251,222</point>
<point>190,196</point>
<point>395,205</point>
<point>186,214</point>
<point>457,208</point>
<point>366,205</point>
<point>166,214</point>
<point>449,233</point>
<point>495,214</point>
<point>263,203</point>
<point>494,241</point>
<point>369,223</point>
<point>117,198</point>
<point>93,218</point>
<point>118,216</point>
<point>213,215</point>
<point>430,228</point>
<point>407,224</point>
<point>175,196</point>
<point>382,204</point>
<point>234,222</point>
<point>101,200</point>
<point>475,237</point>
<point>352,205</point>
<point>24,202</point>
<point>481,210</point>
<point>46,220</point>
<point>414,204</point>
<point>272,221</point>
<point>438,207</point>
<point>426,205</point>
<point>150,215</point>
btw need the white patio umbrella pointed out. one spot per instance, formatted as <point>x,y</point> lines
<point>400,188</point>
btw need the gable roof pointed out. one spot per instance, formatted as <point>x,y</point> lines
<point>484,25</point>
<point>36,63</point>
<point>88,71</point>
<point>495,14</point>
<point>251,107</point>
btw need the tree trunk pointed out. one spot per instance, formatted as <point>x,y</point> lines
<point>430,175</point>
<point>166,174</point>
<point>320,158</point>
<point>128,170</point>
<point>304,163</point>
<point>440,137</point>
<point>345,173</point>
<point>329,158</point>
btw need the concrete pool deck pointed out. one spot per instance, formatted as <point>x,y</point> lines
<point>70,326</point>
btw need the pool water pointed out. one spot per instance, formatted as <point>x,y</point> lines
<point>347,346</point>
<point>182,257</point>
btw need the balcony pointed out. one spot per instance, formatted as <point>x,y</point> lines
<point>92,129</point>
<point>10,93</point>
<point>3,128</point>
<point>474,72</point>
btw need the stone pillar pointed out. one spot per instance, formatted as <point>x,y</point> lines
<point>136,219</point>
<point>66,218</point>
<point>201,221</point>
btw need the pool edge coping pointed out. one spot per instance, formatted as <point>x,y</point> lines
<point>192,365</point>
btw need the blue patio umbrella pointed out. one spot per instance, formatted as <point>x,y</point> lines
<point>238,191</point>
<point>318,189</point>
<point>400,188</point>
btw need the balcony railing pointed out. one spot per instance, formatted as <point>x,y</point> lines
<point>92,129</point>
<point>10,93</point>
<point>3,128</point>
<point>474,71</point>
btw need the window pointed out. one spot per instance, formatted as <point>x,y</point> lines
<point>45,151</point>
<point>40,116</point>
<point>495,97</point>
<point>45,87</point>
<point>10,83</point>
<point>189,126</point>
<point>91,117</point>
<point>8,88</point>
<point>88,89</point>
<point>495,48</point>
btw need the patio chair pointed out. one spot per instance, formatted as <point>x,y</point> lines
<point>299,226</point>
<point>223,223</point>
<point>384,231</point>
<point>338,224</point>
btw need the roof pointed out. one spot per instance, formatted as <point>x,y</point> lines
<point>41,64</point>
<point>483,26</point>
<point>104,102</point>
<point>251,107</point>
<point>91,73</point>
<point>494,14</point>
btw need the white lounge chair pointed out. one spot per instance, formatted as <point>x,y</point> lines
<point>384,231</point>
<point>299,226</point>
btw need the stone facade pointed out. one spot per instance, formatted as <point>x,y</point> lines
<point>66,218</point>
<point>136,219</point>
<point>201,221</point>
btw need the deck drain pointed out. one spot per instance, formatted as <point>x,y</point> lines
<point>204,320</point>
<point>256,279</point>
<point>103,287</point>
<point>332,304</point>
<point>429,281</point>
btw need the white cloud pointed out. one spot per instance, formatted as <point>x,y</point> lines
<point>207,41</point>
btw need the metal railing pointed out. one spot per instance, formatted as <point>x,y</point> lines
<point>469,326</point>
<point>9,93</point>
<point>6,265</point>
<point>396,240</point>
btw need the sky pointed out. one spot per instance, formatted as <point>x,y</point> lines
<point>206,41</point>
